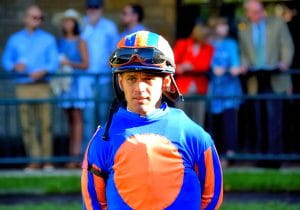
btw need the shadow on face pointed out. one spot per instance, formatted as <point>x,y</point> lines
<point>33,17</point>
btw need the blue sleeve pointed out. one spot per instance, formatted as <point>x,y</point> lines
<point>93,181</point>
<point>9,57</point>
<point>114,38</point>
<point>210,175</point>
<point>234,54</point>
<point>52,62</point>
<point>232,59</point>
<point>215,59</point>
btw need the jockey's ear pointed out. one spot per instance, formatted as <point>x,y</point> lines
<point>120,80</point>
<point>166,83</point>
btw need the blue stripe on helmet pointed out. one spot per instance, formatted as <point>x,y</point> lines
<point>130,40</point>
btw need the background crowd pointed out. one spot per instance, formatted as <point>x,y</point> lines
<point>213,71</point>
<point>85,45</point>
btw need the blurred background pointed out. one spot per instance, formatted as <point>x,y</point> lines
<point>253,175</point>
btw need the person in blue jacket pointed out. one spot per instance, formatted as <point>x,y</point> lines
<point>149,155</point>
<point>31,54</point>
<point>131,19</point>
<point>225,87</point>
<point>101,37</point>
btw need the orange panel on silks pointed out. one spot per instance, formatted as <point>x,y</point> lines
<point>158,163</point>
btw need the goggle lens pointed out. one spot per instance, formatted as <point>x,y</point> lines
<point>148,56</point>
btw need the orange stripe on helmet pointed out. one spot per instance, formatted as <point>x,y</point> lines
<point>209,184</point>
<point>141,39</point>
<point>121,43</point>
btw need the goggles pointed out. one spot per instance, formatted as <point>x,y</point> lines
<point>144,56</point>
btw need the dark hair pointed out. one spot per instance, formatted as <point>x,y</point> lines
<point>138,9</point>
<point>96,4</point>
<point>76,29</point>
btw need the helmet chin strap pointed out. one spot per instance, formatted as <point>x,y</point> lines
<point>173,92</point>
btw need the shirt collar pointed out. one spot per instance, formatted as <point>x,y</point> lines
<point>152,116</point>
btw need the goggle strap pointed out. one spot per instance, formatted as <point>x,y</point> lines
<point>113,108</point>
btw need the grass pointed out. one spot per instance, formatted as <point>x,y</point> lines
<point>225,206</point>
<point>258,180</point>
<point>234,180</point>
<point>43,206</point>
<point>262,180</point>
<point>40,184</point>
<point>260,206</point>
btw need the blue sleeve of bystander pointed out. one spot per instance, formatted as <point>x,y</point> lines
<point>9,57</point>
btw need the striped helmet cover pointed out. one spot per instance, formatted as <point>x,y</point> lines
<point>147,39</point>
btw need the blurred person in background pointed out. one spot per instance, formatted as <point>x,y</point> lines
<point>32,53</point>
<point>193,57</point>
<point>73,59</point>
<point>131,19</point>
<point>289,12</point>
<point>101,36</point>
<point>223,121</point>
<point>266,51</point>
